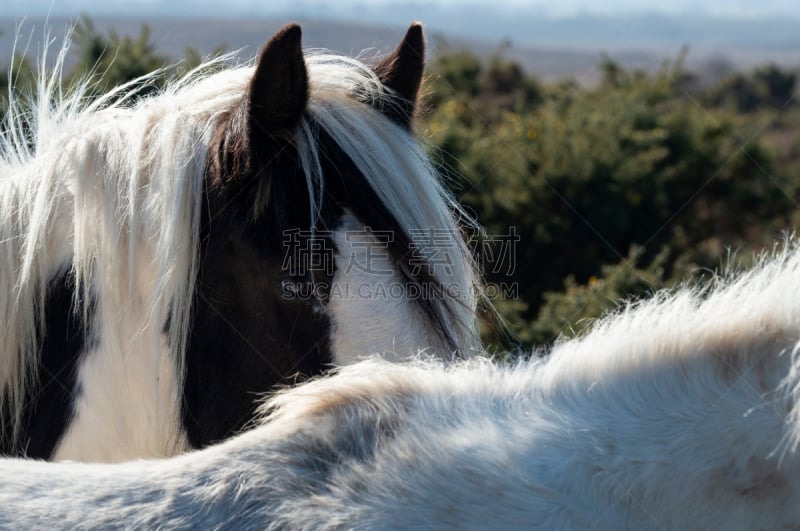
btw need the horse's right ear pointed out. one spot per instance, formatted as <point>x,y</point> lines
<point>278,92</point>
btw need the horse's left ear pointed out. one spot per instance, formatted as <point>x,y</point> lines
<point>401,71</point>
<point>278,92</point>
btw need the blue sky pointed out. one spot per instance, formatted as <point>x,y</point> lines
<point>745,30</point>
<point>560,8</point>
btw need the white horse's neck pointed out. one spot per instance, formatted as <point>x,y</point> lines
<point>385,446</point>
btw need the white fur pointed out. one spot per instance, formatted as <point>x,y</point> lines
<point>373,298</point>
<point>114,190</point>
<point>676,413</point>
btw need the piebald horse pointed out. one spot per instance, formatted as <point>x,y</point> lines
<point>167,259</point>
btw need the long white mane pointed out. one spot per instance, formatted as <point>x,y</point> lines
<point>679,412</point>
<point>113,190</point>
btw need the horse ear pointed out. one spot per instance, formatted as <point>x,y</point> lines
<point>401,71</point>
<point>278,92</point>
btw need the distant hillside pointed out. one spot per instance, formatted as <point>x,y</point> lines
<point>173,34</point>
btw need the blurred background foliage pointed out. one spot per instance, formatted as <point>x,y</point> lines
<point>615,190</point>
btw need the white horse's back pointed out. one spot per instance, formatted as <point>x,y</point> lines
<point>677,413</point>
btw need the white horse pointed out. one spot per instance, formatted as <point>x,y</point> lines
<point>679,412</point>
<point>165,261</point>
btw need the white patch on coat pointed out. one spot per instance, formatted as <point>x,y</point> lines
<point>370,309</point>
